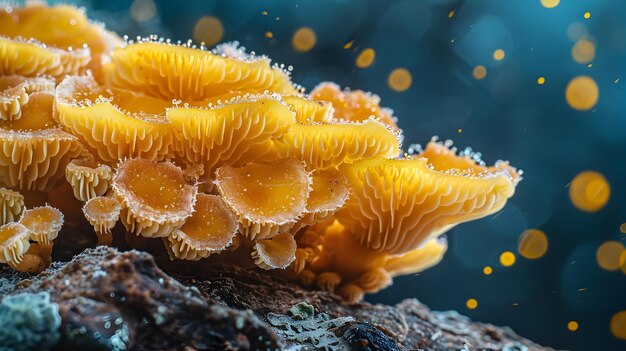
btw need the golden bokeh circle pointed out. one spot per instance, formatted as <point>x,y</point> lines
<point>366,58</point>
<point>609,254</point>
<point>471,304</point>
<point>479,72</point>
<point>532,244</point>
<point>487,270</point>
<point>400,79</point>
<point>303,39</point>
<point>589,191</point>
<point>572,326</point>
<point>618,325</point>
<point>498,55</point>
<point>208,30</point>
<point>582,93</point>
<point>550,3</point>
<point>507,259</point>
<point>584,51</point>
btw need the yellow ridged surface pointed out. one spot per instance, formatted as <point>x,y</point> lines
<point>277,252</point>
<point>120,125</point>
<point>13,242</point>
<point>87,178</point>
<point>177,72</point>
<point>309,111</point>
<point>44,223</point>
<point>417,260</point>
<point>11,204</point>
<point>102,213</point>
<point>323,146</point>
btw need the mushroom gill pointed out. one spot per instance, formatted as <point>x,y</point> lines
<point>355,105</point>
<point>12,204</point>
<point>324,146</point>
<point>266,198</point>
<point>277,252</point>
<point>65,41</point>
<point>171,71</point>
<point>44,224</point>
<point>102,213</point>
<point>309,111</point>
<point>15,91</point>
<point>88,178</point>
<point>210,229</point>
<point>155,197</point>
<point>13,243</point>
<point>395,205</point>
<point>116,123</point>
<point>35,151</point>
<point>233,134</point>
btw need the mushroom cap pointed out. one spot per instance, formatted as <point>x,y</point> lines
<point>88,178</point>
<point>309,111</point>
<point>44,223</point>
<point>324,146</point>
<point>155,197</point>
<point>277,252</point>
<point>11,204</point>
<point>265,194</point>
<point>102,212</point>
<point>181,72</point>
<point>418,260</point>
<point>116,123</point>
<point>13,242</point>
<point>238,132</point>
<point>35,152</point>
<point>14,93</point>
<point>59,27</point>
<point>353,105</point>
<point>395,205</point>
<point>210,228</point>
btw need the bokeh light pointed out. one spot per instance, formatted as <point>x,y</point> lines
<point>208,30</point>
<point>622,228</point>
<point>582,93</point>
<point>400,79</point>
<point>479,72</point>
<point>584,51</point>
<point>587,15</point>
<point>507,259</point>
<point>609,254</point>
<point>366,58</point>
<point>572,326</point>
<point>487,270</point>
<point>589,191</point>
<point>143,10</point>
<point>550,3</point>
<point>532,244</point>
<point>498,55</point>
<point>541,80</point>
<point>618,325</point>
<point>303,39</point>
<point>471,304</point>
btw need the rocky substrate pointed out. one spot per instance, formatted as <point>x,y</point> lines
<point>104,299</point>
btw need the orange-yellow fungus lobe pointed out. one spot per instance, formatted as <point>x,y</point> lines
<point>355,105</point>
<point>102,213</point>
<point>210,229</point>
<point>608,255</point>
<point>310,111</point>
<point>178,72</point>
<point>44,223</point>
<point>13,242</point>
<point>155,197</point>
<point>532,244</point>
<point>88,178</point>
<point>277,252</point>
<point>323,146</point>
<point>589,191</point>
<point>11,205</point>
<point>15,91</point>
<point>116,123</point>
<point>582,93</point>
<point>432,199</point>
<point>266,198</point>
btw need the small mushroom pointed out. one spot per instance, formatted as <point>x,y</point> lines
<point>155,197</point>
<point>87,178</point>
<point>102,213</point>
<point>173,71</point>
<point>14,93</point>
<point>44,224</point>
<point>277,252</point>
<point>210,229</point>
<point>324,146</point>
<point>13,243</point>
<point>12,204</point>
<point>116,124</point>
<point>354,105</point>
<point>266,198</point>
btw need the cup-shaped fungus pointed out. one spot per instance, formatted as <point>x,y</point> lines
<point>324,146</point>
<point>266,198</point>
<point>63,40</point>
<point>181,72</point>
<point>14,93</point>
<point>35,151</point>
<point>277,252</point>
<point>44,223</point>
<point>395,205</point>
<point>102,213</point>
<point>116,123</point>
<point>12,204</point>
<point>236,133</point>
<point>155,197</point>
<point>355,105</point>
<point>13,243</point>
<point>88,179</point>
<point>210,229</point>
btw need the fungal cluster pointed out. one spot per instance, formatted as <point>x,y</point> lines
<point>209,152</point>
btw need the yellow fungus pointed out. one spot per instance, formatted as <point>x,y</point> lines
<point>44,223</point>
<point>87,178</point>
<point>13,242</point>
<point>277,252</point>
<point>12,204</point>
<point>102,213</point>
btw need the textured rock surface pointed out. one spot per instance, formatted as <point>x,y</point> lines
<point>111,300</point>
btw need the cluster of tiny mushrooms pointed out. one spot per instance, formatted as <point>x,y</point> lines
<point>217,150</point>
